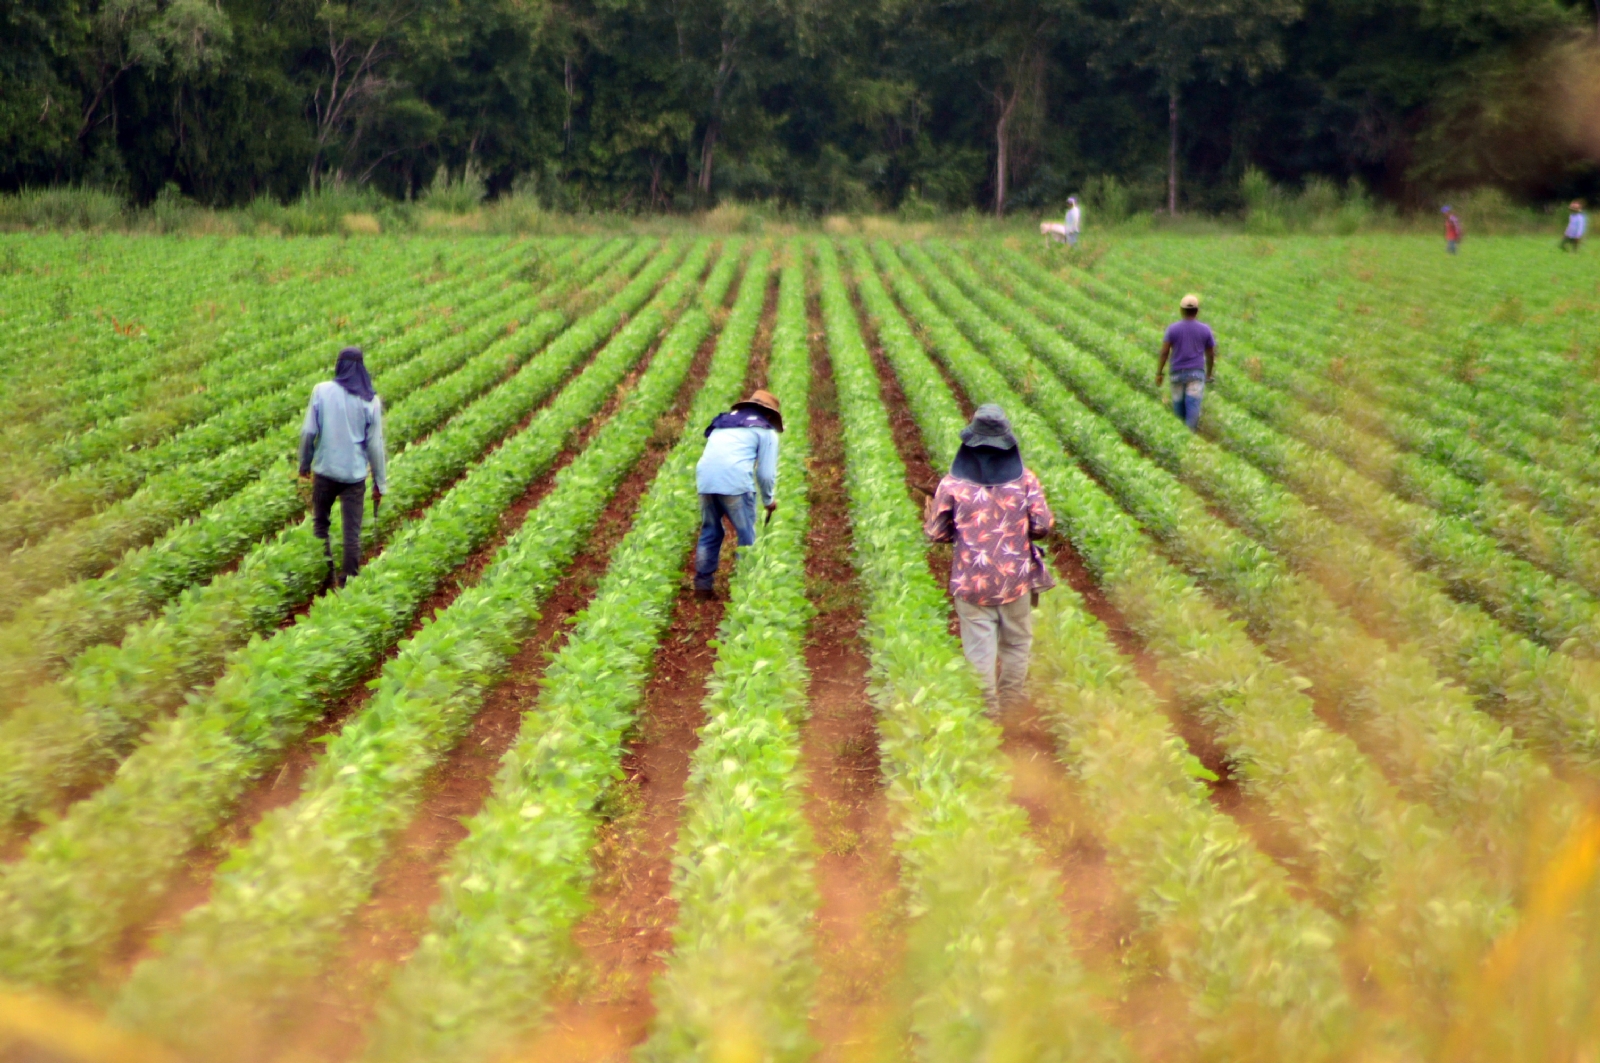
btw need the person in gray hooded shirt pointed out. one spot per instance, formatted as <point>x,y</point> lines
<point>342,439</point>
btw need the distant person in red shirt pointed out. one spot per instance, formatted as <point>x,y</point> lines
<point>1193,350</point>
<point>993,509</point>
<point>1452,229</point>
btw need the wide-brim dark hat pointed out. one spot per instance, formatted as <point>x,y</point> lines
<point>767,403</point>
<point>989,428</point>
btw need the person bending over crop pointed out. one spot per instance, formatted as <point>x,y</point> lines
<point>993,509</point>
<point>741,455</point>
<point>341,439</point>
<point>1193,350</point>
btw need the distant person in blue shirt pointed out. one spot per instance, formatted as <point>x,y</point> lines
<point>1577,226</point>
<point>342,439</point>
<point>1193,350</point>
<point>741,456</point>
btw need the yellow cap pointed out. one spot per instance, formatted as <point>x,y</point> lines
<point>1190,302</point>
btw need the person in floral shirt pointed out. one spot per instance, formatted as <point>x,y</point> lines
<point>993,510</point>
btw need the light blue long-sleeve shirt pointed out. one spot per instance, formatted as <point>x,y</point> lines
<point>1577,225</point>
<point>736,460</point>
<point>343,437</point>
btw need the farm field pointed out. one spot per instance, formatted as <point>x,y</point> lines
<point>1309,771</point>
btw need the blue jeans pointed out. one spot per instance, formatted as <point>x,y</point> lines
<point>1451,245</point>
<point>1188,390</point>
<point>741,512</point>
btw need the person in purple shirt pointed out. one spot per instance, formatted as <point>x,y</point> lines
<point>1193,350</point>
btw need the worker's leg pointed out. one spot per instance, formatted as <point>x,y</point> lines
<point>1015,644</point>
<point>979,642</point>
<point>1178,407</point>
<point>1193,392</point>
<point>1450,246</point>
<point>1072,239</point>
<point>742,515</point>
<point>351,498</point>
<point>708,552</point>
<point>323,492</point>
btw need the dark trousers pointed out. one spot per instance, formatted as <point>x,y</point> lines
<point>741,513</point>
<point>350,496</point>
<point>1571,243</point>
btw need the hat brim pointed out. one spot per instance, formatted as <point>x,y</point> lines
<point>1000,442</point>
<point>766,411</point>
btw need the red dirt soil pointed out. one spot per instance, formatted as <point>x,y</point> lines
<point>859,934</point>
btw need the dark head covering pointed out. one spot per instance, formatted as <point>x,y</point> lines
<point>351,374</point>
<point>988,453</point>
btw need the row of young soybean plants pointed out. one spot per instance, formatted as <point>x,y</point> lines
<point>424,377</point>
<point>990,970</point>
<point>269,387</point>
<point>500,939</point>
<point>1479,517</point>
<point>102,415</point>
<point>151,490</point>
<point>235,967</point>
<point>1419,911</point>
<point>1545,684</point>
<point>88,875</point>
<point>1429,733</point>
<point>1260,967</point>
<point>1479,428</point>
<point>65,732</point>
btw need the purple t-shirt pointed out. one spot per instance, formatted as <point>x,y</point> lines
<point>1190,340</point>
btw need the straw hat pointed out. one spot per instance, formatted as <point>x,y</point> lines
<point>767,403</point>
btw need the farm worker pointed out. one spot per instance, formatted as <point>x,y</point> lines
<point>1193,350</point>
<point>993,509</point>
<point>741,456</point>
<point>1452,229</point>
<point>1577,226</point>
<point>341,439</point>
<point>1074,222</point>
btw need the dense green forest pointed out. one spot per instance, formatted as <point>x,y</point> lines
<point>821,105</point>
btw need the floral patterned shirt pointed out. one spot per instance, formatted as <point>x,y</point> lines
<point>993,528</point>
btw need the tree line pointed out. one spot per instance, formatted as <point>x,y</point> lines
<point>821,105</point>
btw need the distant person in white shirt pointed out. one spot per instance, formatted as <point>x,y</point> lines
<point>1577,225</point>
<point>1074,222</point>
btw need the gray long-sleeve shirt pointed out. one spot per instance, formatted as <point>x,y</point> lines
<point>343,436</point>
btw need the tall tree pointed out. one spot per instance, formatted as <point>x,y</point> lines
<point>1182,41</point>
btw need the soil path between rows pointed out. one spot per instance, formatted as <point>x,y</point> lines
<point>858,1009</point>
<point>191,887</point>
<point>626,936</point>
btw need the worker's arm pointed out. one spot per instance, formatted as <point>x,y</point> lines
<point>377,454</point>
<point>1161,363</point>
<point>939,518</point>
<point>1211,362</point>
<point>767,466</point>
<point>1040,519</point>
<point>309,431</point>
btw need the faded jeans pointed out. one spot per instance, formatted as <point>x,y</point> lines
<point>998,634</point>
<point>741,513</point>
<point>350,497</point>
<point>1188,391</point>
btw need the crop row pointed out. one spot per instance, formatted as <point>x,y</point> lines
<point>390,344</point>
<point>989,965</point>
<point>1373,855</point>
<point>67,730</point>
<point>741,973</point>
<point>1554,696</point>
<point>1427,733</point>
<point>1259,966</point>
<point>85,876</point>
<point>282,899</point>
<point>517,883</point>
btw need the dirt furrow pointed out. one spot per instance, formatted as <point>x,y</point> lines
<point>859,930</point>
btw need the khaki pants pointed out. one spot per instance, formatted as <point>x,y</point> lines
<point>998,634</point>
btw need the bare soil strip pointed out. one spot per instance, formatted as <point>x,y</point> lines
<point>859,933</point>
<point>192,886</point>
<point>607,1009</point>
